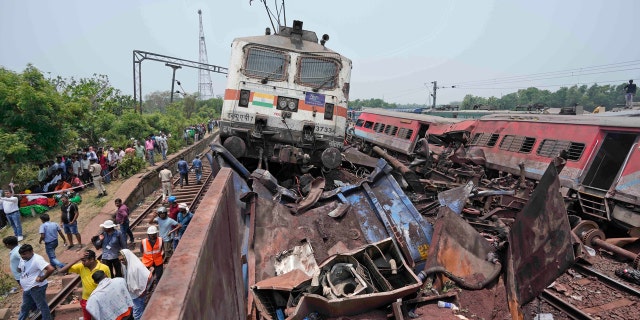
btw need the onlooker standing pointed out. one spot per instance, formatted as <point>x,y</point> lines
<point>152,250</point>
<point>161,140</point>
<point>85,163</point>
<point>122,219</point>
<point>95,170</point>
<point>139,150</point>
<point>69,219</point>
<point>11,243</point>
<point>137,277</point>
<point>111,241</point>
<point>183,169</point>
<point>110,300</point>
<point>630,91</point>
<point>49,232</point>
<point>34,273</point>
<point>165,176</point>
<point>167,227</point>
<point>85,267</point>
<point>104,165</point>
<point>12,211</point>
<point>112,159</point>
<point>77,166</point>
<point>197,167</point>
<point>148,145</point>
<point>183,218</point>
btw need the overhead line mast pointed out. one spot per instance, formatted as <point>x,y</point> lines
<point>205,87</point>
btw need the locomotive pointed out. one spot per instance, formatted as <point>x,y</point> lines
<point>286,99</point>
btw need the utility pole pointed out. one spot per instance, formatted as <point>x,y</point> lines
<point>173,79</point>
<point>435,87</point>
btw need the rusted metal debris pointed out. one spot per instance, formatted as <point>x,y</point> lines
<point>340,225</point>
<point>540,242</point>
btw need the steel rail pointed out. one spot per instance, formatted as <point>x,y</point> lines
<point>57,300</point>
<point>608,281</point>
<point>570,310</point>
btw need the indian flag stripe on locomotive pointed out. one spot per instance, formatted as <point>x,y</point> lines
<point>263,100</point>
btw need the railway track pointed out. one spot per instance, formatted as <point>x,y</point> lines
<point>587,293</point>
<point>139,218</point>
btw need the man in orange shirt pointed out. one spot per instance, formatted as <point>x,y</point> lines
<point>61,186</point>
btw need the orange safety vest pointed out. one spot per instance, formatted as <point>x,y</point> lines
<point>152,256</point>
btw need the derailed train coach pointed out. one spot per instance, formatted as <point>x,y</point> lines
<point>286,98</point>
<point>602,176</point>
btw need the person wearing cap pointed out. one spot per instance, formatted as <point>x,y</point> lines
<point>111,241</point>
<point>85,266</point>
<point>173,208</point>
<point>152,250</point>
<point>165,176</point>
<point>137,277</point>
<point>183,218</point>
<point>95,170</point>
<point>34,273</point>
<point>166,229</point>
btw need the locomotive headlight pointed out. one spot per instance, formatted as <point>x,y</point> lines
<point>282,104</point>
<point>244,98</point>
<point>292,105</point>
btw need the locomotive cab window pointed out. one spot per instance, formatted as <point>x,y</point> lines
<point>265,64</point>
<point>359,123</point>
<point>317,72</point>
<point>368,124</point>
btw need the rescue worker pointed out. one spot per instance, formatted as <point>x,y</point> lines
<point>152,252</point>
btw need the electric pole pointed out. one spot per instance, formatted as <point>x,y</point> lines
<point>435,87</point>
<point>173,79</point>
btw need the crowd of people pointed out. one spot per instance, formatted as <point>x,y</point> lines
<point>119,270</point>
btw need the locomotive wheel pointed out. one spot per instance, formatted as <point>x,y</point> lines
<point>584,226</point>
<point>591,235</point>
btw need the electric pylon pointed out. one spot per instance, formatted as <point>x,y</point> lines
<point>205,87</point>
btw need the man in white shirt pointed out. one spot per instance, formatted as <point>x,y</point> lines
<point>110,299</point>
<point>11,209</point>
<point>34,273</point>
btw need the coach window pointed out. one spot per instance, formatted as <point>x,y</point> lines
<point>517,143</point>
<point>317,72</point>
<point>265,64</point>
<point>378,127</point>
<point>368,124</point>
<point>485,139</point>
<point>552,148</point>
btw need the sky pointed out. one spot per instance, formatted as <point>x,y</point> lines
<point>398,48</point>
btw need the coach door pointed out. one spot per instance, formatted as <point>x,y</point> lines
<point>609,160</point>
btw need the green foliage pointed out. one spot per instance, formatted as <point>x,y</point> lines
<point>131,165</point>
<point>6,282</point>
<point>26,175</point>
<point>370,103</point>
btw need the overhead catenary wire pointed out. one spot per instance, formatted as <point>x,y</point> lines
<point>566,72</point>
<point>545,86</point>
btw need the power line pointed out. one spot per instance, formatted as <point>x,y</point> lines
<point>567,72</point>
<point>545,86</point>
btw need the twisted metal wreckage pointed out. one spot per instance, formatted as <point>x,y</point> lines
<point>361,246</point>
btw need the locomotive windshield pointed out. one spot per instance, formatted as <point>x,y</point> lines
<point>317,72</point>
<point>265,64</point>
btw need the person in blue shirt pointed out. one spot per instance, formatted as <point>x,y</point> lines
<point>111,241</point>
<point>49,232</point>
<point>184,217</point>
<point>183,169</point>
<point>196,164</point>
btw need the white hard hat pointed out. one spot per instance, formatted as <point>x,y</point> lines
<point>152,230</point>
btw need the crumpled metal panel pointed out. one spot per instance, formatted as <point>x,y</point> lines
<point>358,304</point>
<point>540,242</point>
<point>457,247</point>
<point>456,198</point>
<point>383,210</point>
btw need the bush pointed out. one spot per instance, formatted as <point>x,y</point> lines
<point>131,165</point>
